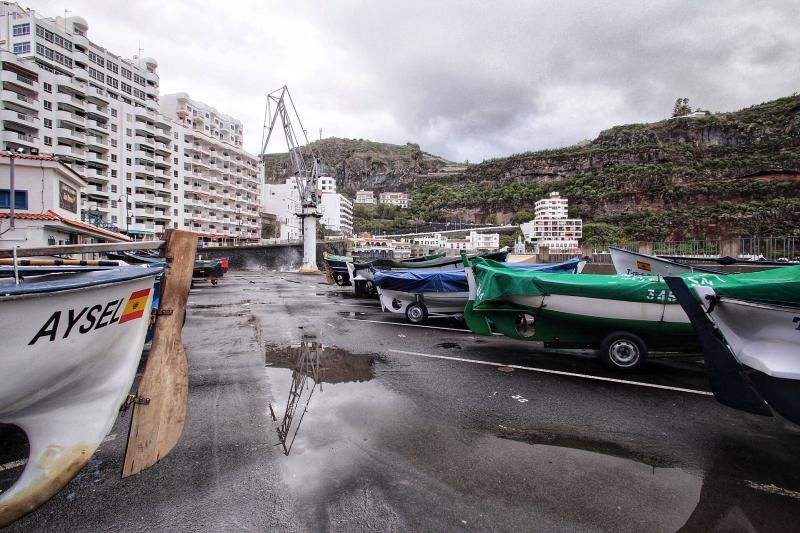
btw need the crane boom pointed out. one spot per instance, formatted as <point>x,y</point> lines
<point>305,175</point>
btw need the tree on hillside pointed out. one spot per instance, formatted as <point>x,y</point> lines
<point>681,108</point>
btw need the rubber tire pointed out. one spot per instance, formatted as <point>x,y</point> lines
<point>370,289</point>
<point>339,279</point>
<point>358,288</point>
<point>416,313</point>
<point>623,340</point>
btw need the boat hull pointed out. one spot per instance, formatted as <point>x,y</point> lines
<point>435,302</point>
<point>631,263</point>
<point>68,363</point>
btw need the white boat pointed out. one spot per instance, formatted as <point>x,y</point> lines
<point>627,262</point>
<point>71,346</point>
<point>758,315</point>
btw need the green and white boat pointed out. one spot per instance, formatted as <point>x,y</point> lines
<point>624,316</point>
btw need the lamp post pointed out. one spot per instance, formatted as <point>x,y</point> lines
<point>11,199</point>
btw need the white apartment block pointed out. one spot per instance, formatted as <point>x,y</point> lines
<point>399,199</point>
<point>95,110</point>
<point>218,190</point>
<point>365,197</point>
<point>283,201</point>
<point>551,228</point>
<point>475,242</point>
<point>337,212</point>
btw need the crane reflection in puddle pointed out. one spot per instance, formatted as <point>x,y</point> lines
<point>312,363</point>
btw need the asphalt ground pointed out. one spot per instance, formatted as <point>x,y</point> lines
<point>393,427</point>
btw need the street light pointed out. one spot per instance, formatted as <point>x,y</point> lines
<point>11,199</point>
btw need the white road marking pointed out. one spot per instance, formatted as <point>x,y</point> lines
<point>21,462</point>
<point>412,325</point>
<point>558,372</point>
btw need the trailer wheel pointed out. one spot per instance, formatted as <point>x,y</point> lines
<point>416,313</point>
<point>369,288</point>
<point>340,280</point>
<point>623,350</point>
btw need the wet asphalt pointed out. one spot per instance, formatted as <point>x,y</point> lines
<point>311,410</point>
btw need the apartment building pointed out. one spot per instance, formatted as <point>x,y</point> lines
<point>283,201</point>
<point>474,242</point>
<point>399,199</point>
<point>218,181</point>
<point>551,228</point>
<point>336,209</point>
<point>365,197</point>
<point>94,109</point>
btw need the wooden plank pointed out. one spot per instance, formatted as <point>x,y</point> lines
<point>157,426</point>
<point>60,262</point>
<point>84,248</point>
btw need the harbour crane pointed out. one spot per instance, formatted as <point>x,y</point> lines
<point>305,173</point>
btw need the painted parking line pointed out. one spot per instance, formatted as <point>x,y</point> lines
<point>557,372</point>
<point>411,325</point>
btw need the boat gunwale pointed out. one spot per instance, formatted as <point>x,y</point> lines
<point>43,288</point>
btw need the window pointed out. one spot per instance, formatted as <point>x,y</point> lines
<point>128,147</point>
<point>113,188</point>
<point>175,174</point>
<point>113,143</point>
<point>114,218</point>
<point>126,88</point>
<point>48,123</point>
<point>127,74</point>
<point>112,81</point>
<point>175,200</point>
<point>47,87</point>
<point>113,158</point>
<point>113,112</point>
<point>129,132</point>
<point>114,174</point>
<point>47,105</point>
<point>113,67</point>
<point>175,185</point>
<point>128,161</point>
<point>48,141</point>
<point>138,79</point>
<point>128,176</point>
<point>22,48</point>
<point>20,199</point>
<point>113,203</point>
<point>96,74</point>
<point>96,59</point>
<point>175,211</point>
<point>22,29</point>
<point>114,128</point>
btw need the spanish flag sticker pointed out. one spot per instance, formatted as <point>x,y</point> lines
<point>641,265</point>
<point>137,303</point>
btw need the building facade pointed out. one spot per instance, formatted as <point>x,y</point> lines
<point>399,199</point>
<point>365,197</point>
<point>218,181</point>
<point>102,114</point>
<point>47,205</point>
<point>551,226</point>
<point>283,201</point>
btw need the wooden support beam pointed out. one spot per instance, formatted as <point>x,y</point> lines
<point>83,248</point>
<point>157,425</point>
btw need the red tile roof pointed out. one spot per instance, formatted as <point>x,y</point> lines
<point>45,157</point>
<point>52,215</point>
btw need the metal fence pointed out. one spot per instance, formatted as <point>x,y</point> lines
<point>770,248</point>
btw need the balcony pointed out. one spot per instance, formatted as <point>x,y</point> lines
<point>21,100</point>
<point>79,56</point>
<point>98,95</point>
<point>71,152</point>
<point>80,40</point>
<point>100,159</point>
<point>143,128</point>
<point>94,174</point>
<point>151,77</point>
<point>95,110</point>
<point>19,139</point>
<point>80,73</point>
<point>19,80</point>
<point>144,169</point>
<point>20,119</point>
<point>72,118</point>
<point>97,141</point>
<point>70,135</point>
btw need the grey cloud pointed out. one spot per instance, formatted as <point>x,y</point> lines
<point>464,79</point>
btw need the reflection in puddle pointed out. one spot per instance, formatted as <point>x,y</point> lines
<point>351,314</point>
<point>312,365</point>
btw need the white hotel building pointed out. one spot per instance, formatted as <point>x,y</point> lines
<point>100,113</point>
<point>551,226</point>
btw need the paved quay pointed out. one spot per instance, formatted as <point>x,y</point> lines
<point>426,429</point>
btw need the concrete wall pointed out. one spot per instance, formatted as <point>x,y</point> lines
<point>286,257</point>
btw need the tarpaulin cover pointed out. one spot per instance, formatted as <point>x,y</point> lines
<point>496,282</point>
<point>778,286</point>
<point>390,263</point>
<point>418,282</point>
<point>453,280</point>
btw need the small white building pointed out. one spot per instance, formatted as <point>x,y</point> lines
<point>475,242</point>
<point>483,242</point>
<point>551,226</point>
<point>283,201</point>
<point>48,206</point>
<point>337,212</point>
<point>365,197</point>
<point>399,199</point>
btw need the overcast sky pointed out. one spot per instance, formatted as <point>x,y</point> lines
<point>466,80</point>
